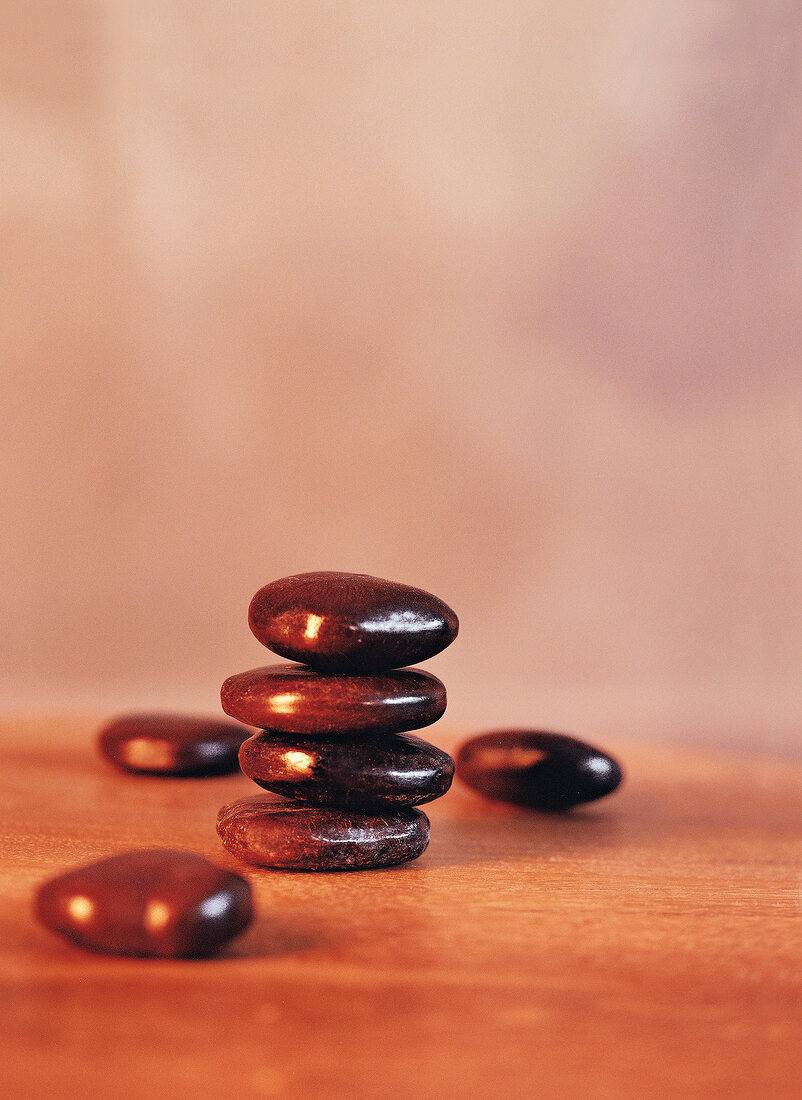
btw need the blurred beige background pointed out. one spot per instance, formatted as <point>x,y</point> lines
<point>501,300</point>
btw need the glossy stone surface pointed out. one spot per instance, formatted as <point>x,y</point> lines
<point>350,622</point>
<point>294,699</point>
<point>352,772</point>
<point>159,903</point>
<point>294,836</point>
<point>172,744</point>
<point>546,771</point>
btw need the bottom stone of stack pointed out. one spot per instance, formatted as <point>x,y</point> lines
<point>297,837</point>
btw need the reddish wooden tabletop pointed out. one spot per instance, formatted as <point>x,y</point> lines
<point>650,946</point>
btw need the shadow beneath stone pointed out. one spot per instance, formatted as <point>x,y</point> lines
<point>270,938</point>
<point>487,832</point>
<point>652,814</point>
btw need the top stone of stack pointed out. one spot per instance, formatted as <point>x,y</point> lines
<point>350,622</point>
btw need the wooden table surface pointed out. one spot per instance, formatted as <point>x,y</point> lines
<point>648,947</point>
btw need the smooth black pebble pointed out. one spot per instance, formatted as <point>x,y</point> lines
<point>352,772</point>
<point>546,771</point>
<point>350,622</point>
<point>298,837</point>
<point>294,699</point>
<point>160,903</point>
<point>172,744</point>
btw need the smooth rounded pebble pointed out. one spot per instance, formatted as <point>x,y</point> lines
<point>546,771</point>
<point>158,903</point>
<point>294,699</point>
<point>172,744</point>
<point>350,622</point>
<point>352,772</point>
<point>295,837</point>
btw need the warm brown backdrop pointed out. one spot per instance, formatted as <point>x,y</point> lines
<point>499,300</point>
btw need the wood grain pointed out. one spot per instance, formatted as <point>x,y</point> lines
<point>648,946</point>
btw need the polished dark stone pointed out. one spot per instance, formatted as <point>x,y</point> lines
<point>547,771</point>
<point>352,772</point>
<point>294,699</point>
<point>157,903</point>
<point>172,744</point>
<point>296,837</point>
<point>350,622</point>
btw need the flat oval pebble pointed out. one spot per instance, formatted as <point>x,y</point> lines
<point>546,771</point>
<point>172,744</point>
<point>295,837</point>
<point>350,622</point>
<point>158,903</point>
<point>294,699</point>
<point>353,772</point>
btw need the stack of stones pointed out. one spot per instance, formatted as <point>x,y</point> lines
<point>334,738</point>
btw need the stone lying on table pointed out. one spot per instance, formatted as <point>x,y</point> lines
<point>172,744</point>
<point>545,771</point>
<point>298,837</point>
<point>159,903</point>
<point>294,699</point>
<point>347,770</point>
<point>350,622</point>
